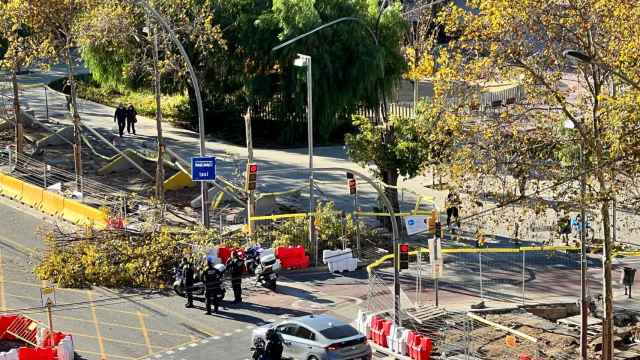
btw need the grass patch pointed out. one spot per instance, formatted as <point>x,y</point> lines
<point>175,108</point>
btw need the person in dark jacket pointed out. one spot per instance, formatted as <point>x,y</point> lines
<point>188,273</point>
<point>273,350</point>
<point>120,117</point>
<point>131,119</point>
<point>212,279</point>
<point>235,265</point>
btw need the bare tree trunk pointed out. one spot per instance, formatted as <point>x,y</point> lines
<point>16,112</point>
<point>160,162</point>
<point>607,321</point>
<point>77,135</point>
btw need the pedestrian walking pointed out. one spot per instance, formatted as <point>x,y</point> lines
<point>188,274</point>
<point>131,119</point>
<point>212,279</point>
<point>120,117</point>
<point>453,204</point>
<point>66,90</point>
<point>628,277</point>
<point>236,267</point>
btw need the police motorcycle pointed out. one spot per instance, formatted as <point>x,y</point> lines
<point>179,283</point>
<point>252,258</point>
<point>267,270</point>
<point>258,349</point>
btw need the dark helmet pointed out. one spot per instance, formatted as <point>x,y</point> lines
<point>270,334</point>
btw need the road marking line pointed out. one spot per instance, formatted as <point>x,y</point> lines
<point>145,333</point>
<point>95,322</point>
<point>124,312</point>
<point>79,351</point>
<point>162,348</point>
<point>3,302</point>
<point>38,286</point>
<point>20,296</point>
<point>19,247</point>
<point>123,326</point>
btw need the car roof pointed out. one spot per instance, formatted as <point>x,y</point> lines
<point>318,322</point>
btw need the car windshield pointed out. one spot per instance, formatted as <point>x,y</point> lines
<point>339,332</point>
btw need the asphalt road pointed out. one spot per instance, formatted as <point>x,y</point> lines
<point>120,324</point>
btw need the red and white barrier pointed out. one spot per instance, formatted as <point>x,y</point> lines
<point>51,346</point>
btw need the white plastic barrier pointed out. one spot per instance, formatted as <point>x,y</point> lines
<point>66,349</point>
<point>362,325</point>
<point>11,355</point>
<point>339,260</point>
<point>404,350</point>
<point>395,340</point>
<point>343,265</point>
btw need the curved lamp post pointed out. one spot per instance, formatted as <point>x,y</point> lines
<point>586,59</point>
<point>385,199</point>
<point>196,89</point>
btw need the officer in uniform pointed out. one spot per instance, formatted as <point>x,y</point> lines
<point>188,273</point>
<point>212,279</point>
<point>235,266</point>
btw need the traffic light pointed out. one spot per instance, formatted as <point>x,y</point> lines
<point>351,183</point>
<point>438,230</point>
<point>404,256</point>
<point>251,177</point>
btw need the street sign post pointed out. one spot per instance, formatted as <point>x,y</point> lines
<point>203,168</point>
<point>435,258</point>
<point>48,298</point>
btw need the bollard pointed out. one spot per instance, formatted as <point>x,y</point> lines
<point>480,262</point>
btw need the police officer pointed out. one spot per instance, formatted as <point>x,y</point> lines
<point>212,279</point>
<point>273,350</point>
<point>188,275</point>
<point>235,266</point>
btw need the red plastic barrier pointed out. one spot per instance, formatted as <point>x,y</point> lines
<point>292,257</point>
<point>5,321</point>
<point>411,340</point>
<point>414,348</point>
<point>377,329</point>
<point>525,357</point>
<point>224,253</point>
<point>372,326</point>
<point>426,346</point>
<point>57,337</point>
<point>25,353</point>
<point>385,332</point>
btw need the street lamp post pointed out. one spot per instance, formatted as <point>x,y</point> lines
<point>196,89</point>
<point>305,61</point>
<point>583,253</point>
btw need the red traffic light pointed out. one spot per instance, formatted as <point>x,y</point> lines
<point>404,248</point>
<point>253,168</point>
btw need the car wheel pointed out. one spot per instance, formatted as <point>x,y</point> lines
<point>312,358</point>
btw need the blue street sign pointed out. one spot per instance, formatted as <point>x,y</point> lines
<point>411,222</point>
<point>203,168</point>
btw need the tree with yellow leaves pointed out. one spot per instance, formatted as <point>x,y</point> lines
<point>525,41</point>
<point>24,44</point>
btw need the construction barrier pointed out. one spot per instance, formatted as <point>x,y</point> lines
<point>32,195</point>
<point>398,340</point>
<point>11,187</point>
<point>52,203</point>
<point>470,250</point>
<point>43,345</point>
<point>81,214</point>
<point>293,257</point>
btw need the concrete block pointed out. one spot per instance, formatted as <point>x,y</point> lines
<point>56,139</point>
<point>197,202</point>
<point>119,163</point>
<point>179,181</point>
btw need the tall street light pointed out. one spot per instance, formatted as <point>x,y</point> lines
<point>196,89</point>
<point>305,61</point>
<point>394,225</point>
<point>583,253</point>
